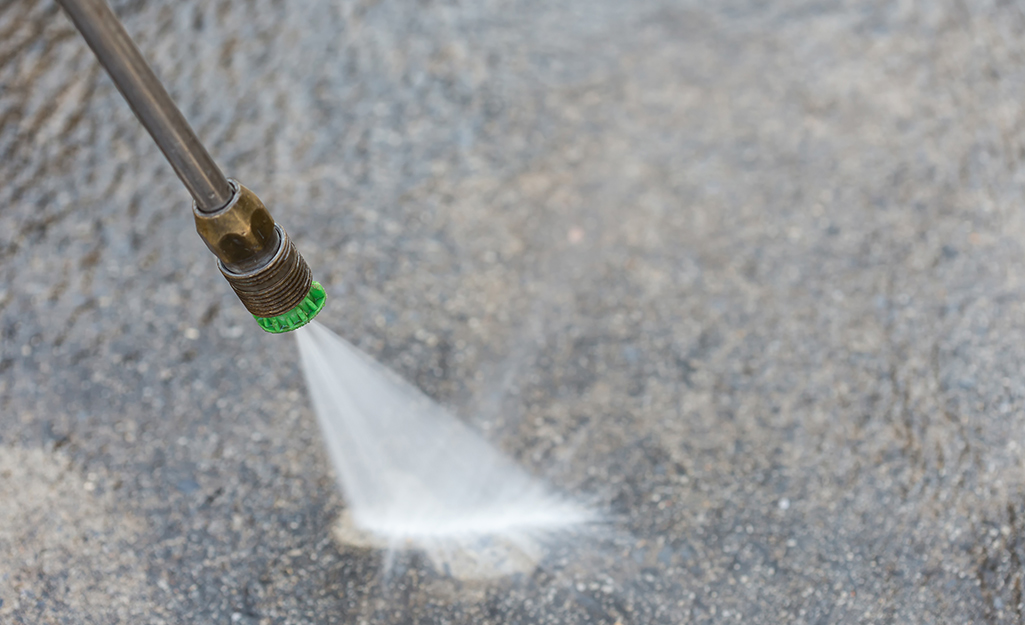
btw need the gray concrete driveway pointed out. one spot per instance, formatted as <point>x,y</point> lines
<point>748,274</point>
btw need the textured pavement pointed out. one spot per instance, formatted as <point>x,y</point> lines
<point>747,275</point>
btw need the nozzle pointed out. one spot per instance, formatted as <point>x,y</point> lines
<point>260,262</point>
<point>263,267</point>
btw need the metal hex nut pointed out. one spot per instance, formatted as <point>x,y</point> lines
<point>242,234</point>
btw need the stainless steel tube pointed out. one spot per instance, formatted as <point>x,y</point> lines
<point>150,101</point>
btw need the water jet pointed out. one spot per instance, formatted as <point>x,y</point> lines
<point>413,475</point>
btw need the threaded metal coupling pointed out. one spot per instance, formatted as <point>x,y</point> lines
<point>256,256</point>
<point>277,287</point>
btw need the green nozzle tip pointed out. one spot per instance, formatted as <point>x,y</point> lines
<point>298,316</point>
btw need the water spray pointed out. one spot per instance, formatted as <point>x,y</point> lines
<point>254,253</point>
<point>413,475</point>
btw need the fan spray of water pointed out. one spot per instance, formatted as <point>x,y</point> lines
<point>414,477</point>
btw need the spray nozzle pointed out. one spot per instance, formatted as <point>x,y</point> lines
<point>254,254</point>
<point>260,262</point>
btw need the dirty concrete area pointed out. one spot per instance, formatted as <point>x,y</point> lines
<point>748,275</point>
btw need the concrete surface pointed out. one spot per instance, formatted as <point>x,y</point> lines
<point>746,273</point>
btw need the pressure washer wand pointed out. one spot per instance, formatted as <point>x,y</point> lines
<point>255,254</point>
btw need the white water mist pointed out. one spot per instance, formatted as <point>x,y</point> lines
<point>416,477</point>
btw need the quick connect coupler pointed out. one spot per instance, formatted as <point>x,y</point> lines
<point>254,254</point>
<point>260,262</point>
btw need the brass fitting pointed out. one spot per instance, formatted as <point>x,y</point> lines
<point>255,255</point>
